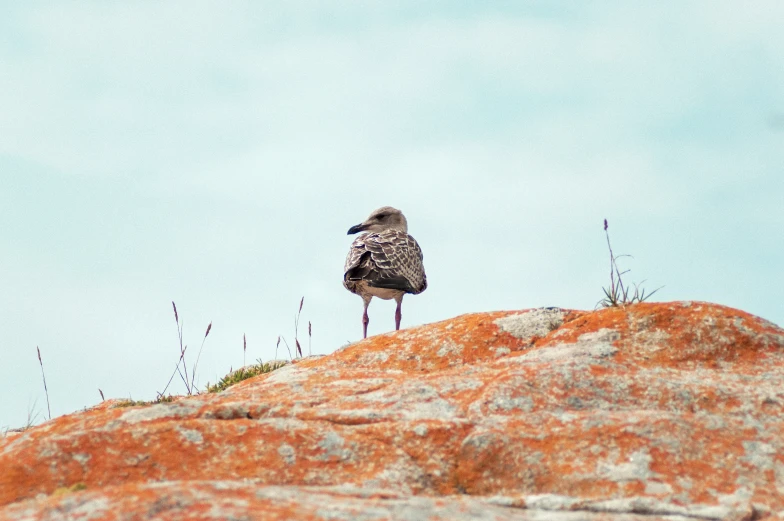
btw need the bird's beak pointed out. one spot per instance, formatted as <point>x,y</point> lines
<point>356,229</point>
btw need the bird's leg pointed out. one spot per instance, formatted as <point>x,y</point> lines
<point>365,319</point>
<point>398,314</point>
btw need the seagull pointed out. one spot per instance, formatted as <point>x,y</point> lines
<point>386,262</point>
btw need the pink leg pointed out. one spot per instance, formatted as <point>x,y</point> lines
<point>365,319</point>
<point>398,315</point>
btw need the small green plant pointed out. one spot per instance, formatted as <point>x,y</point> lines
<point>244,373</point>
<point>618,294</point>
<point>141,403</point>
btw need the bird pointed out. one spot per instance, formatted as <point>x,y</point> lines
<point>385,262</point>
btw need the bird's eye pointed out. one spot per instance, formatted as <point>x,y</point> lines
<point>381,216</point>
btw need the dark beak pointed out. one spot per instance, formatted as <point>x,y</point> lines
<point>356,229</point>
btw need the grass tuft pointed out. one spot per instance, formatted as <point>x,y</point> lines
<point>32,417</point>
<point>619,294</point>
<point>141,403</point>
<point>235,377</point>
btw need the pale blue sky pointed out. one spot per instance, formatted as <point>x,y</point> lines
<point>215,154</point>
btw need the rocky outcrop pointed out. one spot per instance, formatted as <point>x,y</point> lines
<point>651,411</point>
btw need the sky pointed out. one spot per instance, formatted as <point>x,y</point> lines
<point>215,154</point>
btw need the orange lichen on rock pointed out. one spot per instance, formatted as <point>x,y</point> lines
<point>670,411</point>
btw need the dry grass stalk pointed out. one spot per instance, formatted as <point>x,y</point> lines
<point>296,327</point>
<point>32,417</point>
<point>297,345</point>
<point>285,343</point>
<point>41,363</point>
<point>189,381</point>
<point>193,372</point>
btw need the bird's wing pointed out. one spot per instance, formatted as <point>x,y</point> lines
<point>355,253</point>
<point>394,262</point>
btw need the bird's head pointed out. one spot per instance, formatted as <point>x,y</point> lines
<point>385,218</point>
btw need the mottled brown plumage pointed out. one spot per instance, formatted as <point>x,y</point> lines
<point>386,262</point>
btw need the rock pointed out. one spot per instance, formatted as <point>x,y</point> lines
<point>651,411</point>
